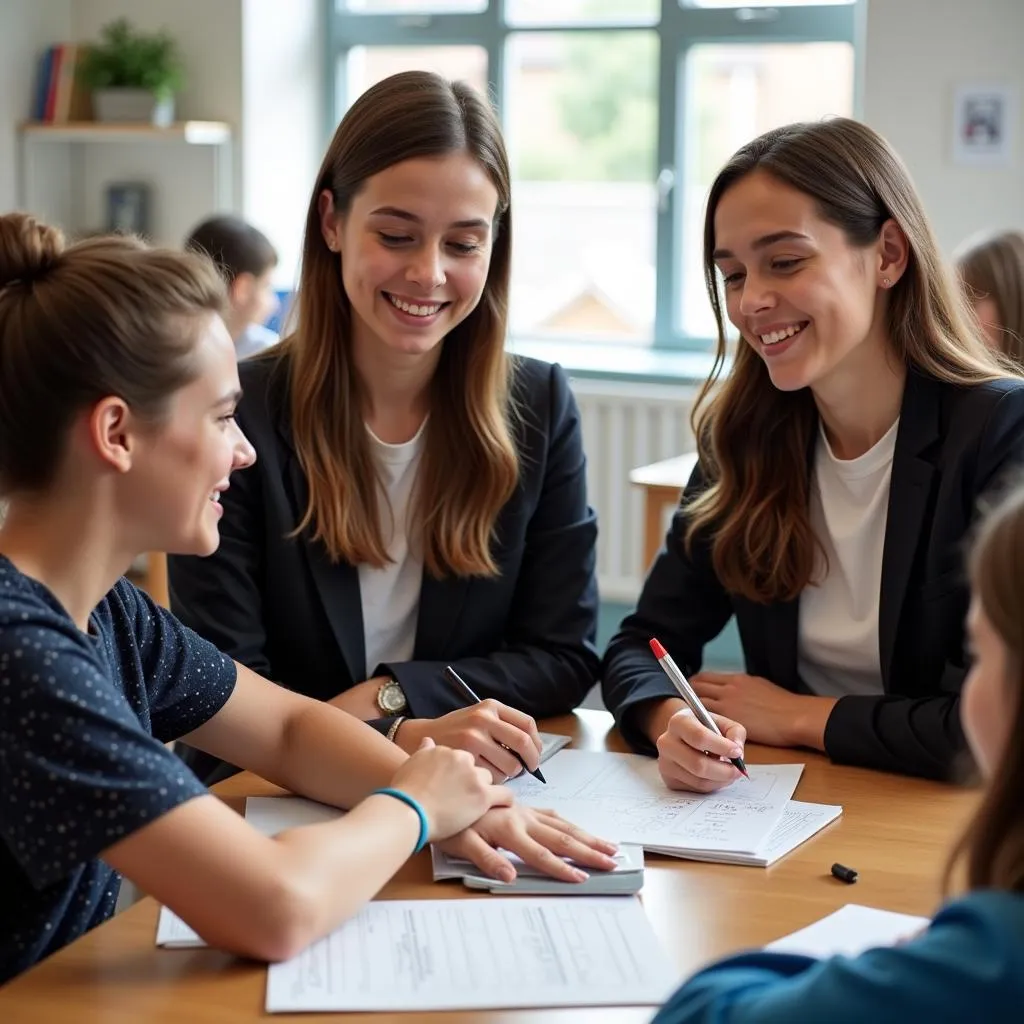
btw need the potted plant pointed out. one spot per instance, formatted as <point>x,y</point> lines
<point>133,75</point>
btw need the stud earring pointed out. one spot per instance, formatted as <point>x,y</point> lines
<point>886,282</point>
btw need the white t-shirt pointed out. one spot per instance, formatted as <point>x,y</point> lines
<point>391,595</point>
<point>837,650</point>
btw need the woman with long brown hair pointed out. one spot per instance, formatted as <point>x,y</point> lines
<point>419,499</point>
<point>969,963</point>
<point>991,268</point>
<point>842,456</point>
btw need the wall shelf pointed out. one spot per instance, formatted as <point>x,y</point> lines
<point>66,169</point>
<point>195,133</point>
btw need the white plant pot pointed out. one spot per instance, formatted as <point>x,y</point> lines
<point>132,105</point>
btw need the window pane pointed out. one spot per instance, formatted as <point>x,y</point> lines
<point>569,12</point>
<point>733,94</point>
<point>582,130</point>
<point>765,3</point>
<point>368,65</point>
<point>410,6</point>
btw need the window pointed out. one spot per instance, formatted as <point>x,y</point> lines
<point>617,115</point>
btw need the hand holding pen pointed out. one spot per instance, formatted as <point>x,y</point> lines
<point>693,745</point>
<point>464,688</point>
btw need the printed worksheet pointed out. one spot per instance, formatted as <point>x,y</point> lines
<point>500,953</point>
<point>622,797</point>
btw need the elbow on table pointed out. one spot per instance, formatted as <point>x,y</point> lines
<point>282,922</point>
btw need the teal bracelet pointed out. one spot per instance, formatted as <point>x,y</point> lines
<point>414,804</point>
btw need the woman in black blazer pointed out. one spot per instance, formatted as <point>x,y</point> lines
<point>419,496</point>
<point>842,459</point>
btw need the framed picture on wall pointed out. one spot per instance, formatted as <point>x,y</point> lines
<point>128,208</point>
<point>984,125</point>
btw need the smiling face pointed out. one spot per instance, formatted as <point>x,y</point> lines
<point>183,464</point>
<point>415,250</point>
<point>801,295</point>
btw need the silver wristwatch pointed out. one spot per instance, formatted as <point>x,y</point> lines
<point>391,698</point>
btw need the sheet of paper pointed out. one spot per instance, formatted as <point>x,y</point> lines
<point>273,814</point>
<point>799,822</point>
<point>622,797</point>
<point>269,815</point>
<point>849,932</point>
<point>551,743</point>
<point>500,953</point>
<point>173,933</point>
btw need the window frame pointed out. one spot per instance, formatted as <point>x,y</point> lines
<point>679,29</point>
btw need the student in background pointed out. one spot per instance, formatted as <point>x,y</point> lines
<point>842,458</point>
<point>247,259</point>
<point>117,436</point>
<point>992,271</point>
<point>420,494</point>
<point>969,964</point>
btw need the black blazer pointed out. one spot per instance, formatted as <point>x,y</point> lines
<point>953,444</point>
<point>278,605</point>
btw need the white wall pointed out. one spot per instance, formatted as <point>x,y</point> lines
<point>917,53</point>
<point>27,27</point>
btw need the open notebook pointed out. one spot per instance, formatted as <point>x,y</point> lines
<point>623,798</point>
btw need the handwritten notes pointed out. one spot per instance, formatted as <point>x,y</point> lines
<point>622,797</point>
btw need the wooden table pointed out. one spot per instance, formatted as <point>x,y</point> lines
<point>894,831</point>
<point>662,482</point>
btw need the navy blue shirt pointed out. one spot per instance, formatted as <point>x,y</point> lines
<point>967,966</point>
<point>83,721</point>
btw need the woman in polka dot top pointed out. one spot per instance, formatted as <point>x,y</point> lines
<point>117,436</point>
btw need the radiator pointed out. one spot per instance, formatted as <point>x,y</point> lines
<point>625,426</point>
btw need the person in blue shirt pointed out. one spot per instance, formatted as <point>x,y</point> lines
<point>968,965</point>
<point>117,436</point>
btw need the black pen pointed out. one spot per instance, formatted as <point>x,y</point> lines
<point>453,677</point>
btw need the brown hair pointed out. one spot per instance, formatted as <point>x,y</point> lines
<point>107,316</point>
<point>993,844</point>
<point>993,267</point>
<point>457,500</point>
<point>754,439</point>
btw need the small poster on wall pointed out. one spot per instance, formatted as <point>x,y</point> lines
<point>984,125</point>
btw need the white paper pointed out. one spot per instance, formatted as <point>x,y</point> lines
<point>849,932</point>
<point>173,933</point>
<point>500,953</point>
<point>273,814</point>
<point>622,797</point>
<point>551,743</point>
<point>266,814</point>
<point>799,822</point>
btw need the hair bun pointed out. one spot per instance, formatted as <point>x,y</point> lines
<point>28,248</point>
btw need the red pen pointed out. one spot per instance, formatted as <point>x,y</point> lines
<point>686,691</point>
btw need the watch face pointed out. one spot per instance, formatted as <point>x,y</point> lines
<point>391,698</point>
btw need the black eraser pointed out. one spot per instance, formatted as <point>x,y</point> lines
<point>844,874</point>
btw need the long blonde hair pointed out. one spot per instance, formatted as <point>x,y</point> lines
<point>470,466</point>
<point>993,267</point>
<point>754,439</point>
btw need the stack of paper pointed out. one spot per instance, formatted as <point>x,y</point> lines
<point>626,878</point>
<point>622,797</point>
